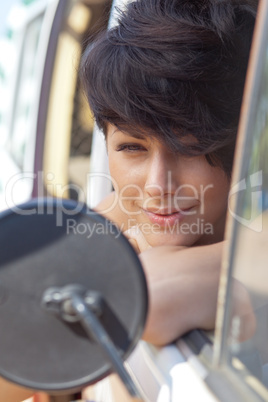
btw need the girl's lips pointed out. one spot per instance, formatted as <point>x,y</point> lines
<point>163,219</point>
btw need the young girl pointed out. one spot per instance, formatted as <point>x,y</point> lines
<point>165,86</point>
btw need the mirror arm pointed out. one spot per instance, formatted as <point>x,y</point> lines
<point>73,304</point>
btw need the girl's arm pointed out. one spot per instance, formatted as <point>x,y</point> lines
<point>183,291</point>
<point>183,288</point>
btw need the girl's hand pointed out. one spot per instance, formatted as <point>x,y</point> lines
<point>137,239</point>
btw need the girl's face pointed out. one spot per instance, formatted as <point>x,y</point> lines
<point>172,198</point>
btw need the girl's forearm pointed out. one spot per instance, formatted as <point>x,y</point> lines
<point>183,288</point>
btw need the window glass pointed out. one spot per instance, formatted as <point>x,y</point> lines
<point>19,80</point>
<point>25,92</point>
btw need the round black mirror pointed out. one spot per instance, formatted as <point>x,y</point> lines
<point>50,248</point>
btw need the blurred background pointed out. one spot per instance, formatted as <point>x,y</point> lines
<point>45,123</point>
<point>4,11</point>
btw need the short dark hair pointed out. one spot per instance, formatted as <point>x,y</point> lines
<point>172,68</point>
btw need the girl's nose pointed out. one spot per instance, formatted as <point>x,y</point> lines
<point>161,175</point>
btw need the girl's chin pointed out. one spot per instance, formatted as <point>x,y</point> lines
<point>169,240</point>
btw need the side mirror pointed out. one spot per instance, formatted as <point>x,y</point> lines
<point>73,297</point>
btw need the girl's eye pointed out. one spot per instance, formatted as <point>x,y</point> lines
<point>130,148</point>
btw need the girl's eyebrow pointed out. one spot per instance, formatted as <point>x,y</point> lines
<point>137,135</point>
